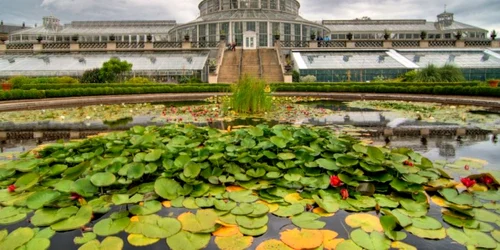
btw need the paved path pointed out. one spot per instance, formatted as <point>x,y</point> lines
<point>117,99</point>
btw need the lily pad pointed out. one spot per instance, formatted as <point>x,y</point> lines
<point>80,219</point>
<point>372,241</point>
<point>109,226</point>
<point>49,216</point>
<point>103,179</point>
<point>203,220</point>
<point>139,240</point>
<point>235,242</point>
<point>367,222</point>
<point>188,241</point>
<point>252,222</point>
<point>308,220</point>
<point>302,239</point>
<point>287,211</point>
<point>154,226</point>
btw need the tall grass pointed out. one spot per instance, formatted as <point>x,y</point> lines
<point>251,96</point>
<point>431,73</point>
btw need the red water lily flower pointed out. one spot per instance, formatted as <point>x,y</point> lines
<point>344,193</point>
<point>75,196</point>
<point>12,188</point>
<point>487,180</point>
<point>408,163</point>
<point>335,181</point>
<point>468,182</point>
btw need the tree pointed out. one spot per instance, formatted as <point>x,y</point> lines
<point>113,70</point>
<point>92,76</point>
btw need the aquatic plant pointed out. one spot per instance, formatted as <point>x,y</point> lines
<point>251,96</point>
<point>237,180</point>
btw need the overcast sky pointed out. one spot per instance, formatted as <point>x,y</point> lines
<point>482,13</point>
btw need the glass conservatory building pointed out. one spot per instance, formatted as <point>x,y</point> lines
<point>255,22</point>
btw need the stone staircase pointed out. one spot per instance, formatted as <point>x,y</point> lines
<point>230,68</point>
<point>250,65</point>
<point>271,70</point>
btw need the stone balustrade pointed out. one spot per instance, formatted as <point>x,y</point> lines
<point>391,44</point>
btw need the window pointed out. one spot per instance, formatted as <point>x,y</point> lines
<point>203,32</point>
<point>244,4</point>
<point>416,36</point>
<point>226,4</point>
<point>263,34</point>
<point>238,33</point>
<point>212,32</point>
<point>287,29</point>
<point>282,5</point>
<point>273,4</point>
<point>408,36</point>
<point>250,26</point>
<point>438,36</point>
<point>335,36</point>
<point>254,4</point>
<point>447,35</point>
<point>224,29</point>
<point>431,36</point>
<point>264,4</point>
<point>296,31</point>
<point>364,36</point>
<point>234,4</point>
<point>305,34</point>
<point>357,36</point>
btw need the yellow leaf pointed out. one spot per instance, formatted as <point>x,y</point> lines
<point>478,188</point>
<point>167,204</point>
<point>296,198</point>
<point>439,201</point>
<point>235,242</point>
<point>272,207</point>
<point>367,222</point>
<point>321,212</point>
<point>234,188</point>
<point>273,245</point>
<point>140,240</point>
<point>402,246</point>
<point>332,244</point>
<point>227,231</point>
<point>134,219</point>
<point>303,239</point>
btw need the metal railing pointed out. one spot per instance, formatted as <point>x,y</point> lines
<point>204,44</point>
<point>369,44</point>
<point>405,44</point>
<point>167,45</point>
<point>294,44</point>
<point>125,45</point>
<point>480,44</point>
<point>20,46</point>
<point>332,44</point>
<point>92,45</point>
<point>442,43</point>
<point>56,46</point>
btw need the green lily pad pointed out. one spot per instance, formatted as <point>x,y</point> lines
<point>149,207</point>
<point>426,222</point>
<point>86,237</point>
<point>26,181</point>
<point>80,219</point>
<point>427,233</point>
<point>154,226</point>
<point>202,221</point>
<point>48,216</point>
<point>186,240</point>
<point>253,232</point>
<point>103,179</point>
<point>243,209</point>
<point>287,211</point>
<point>472,238</point>
<point>224,206</point>
<point>17,238</point>
<point>109,243</point>
<point>243,196</point>
<point>373,241</point>
<point>11,215</point>
<point>252,222</point>
<point>167,188</point>
<point>109,226</point>
<point>308,220</point>
<point>389,223</point>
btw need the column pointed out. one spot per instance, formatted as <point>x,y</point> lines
<point>230,33</point>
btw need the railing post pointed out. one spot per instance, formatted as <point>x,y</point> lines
<point>74,47</point>
<point>37,47</point>
<point>186,45</point>
<point>350,44</point>
<point>387,44</point>
<point>460,44</point>
<point>148,46</point>
<point>313,44</point>
<point>111,46</point>
<point>424,44</point>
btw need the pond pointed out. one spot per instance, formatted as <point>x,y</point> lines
<point>459,156</point>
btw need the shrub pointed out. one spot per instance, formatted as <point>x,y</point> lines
<point>431,73</point>
<point>308,78</point>
<point>136,80</point>
<point>410,76</point>
<point>92,76</point>
<point>451,73</point>
<point>113,70</point>
<point>18,81</point>
<point>295,76</point>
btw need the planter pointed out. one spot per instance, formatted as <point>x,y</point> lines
<point>288,68</point>
<point>458,37</point>
<point>212,68</point>
<point>112,38</point>
<point>39,39</point>
<point>493,37</point>
<point>223,37</point>
<point>149,38</point>
<point>387,36</point>
<point>6,86</point>
<point>186,38</point>
<point>74,38</point>
<point>349,36</point>
<point>493,83</point>
<point>276,37</point>
<point>313,37</point>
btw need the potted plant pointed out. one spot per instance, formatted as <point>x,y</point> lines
<point>493,83</point>
<point>149,37</point>
<point>222,35</point>
<point>387,34</point>
<point>112,38</point>
<point>313,35</point>
<point>423,35</point>
<point>349,36</point>
<point>39,38</point>
<point>212,65</point>
<point>186,37</point>
<point>493,35</point>
<point>458,35</point>
<point>277,35</point>
<point>2,39</point>
<point>6,86</point>
<point>74,38</point>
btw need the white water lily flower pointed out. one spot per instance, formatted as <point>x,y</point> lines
<point>62,117</point>
<point>88,117</point>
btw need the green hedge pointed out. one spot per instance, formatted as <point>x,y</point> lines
<point>362,88</point>
<point>392,84</point>
<point>109,85</point>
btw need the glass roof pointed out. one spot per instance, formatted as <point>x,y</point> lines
<point>462,59</point>
<point>76,64</point>
<point>346,60</point>
<point>393,25</point>
<point>264,15</point>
